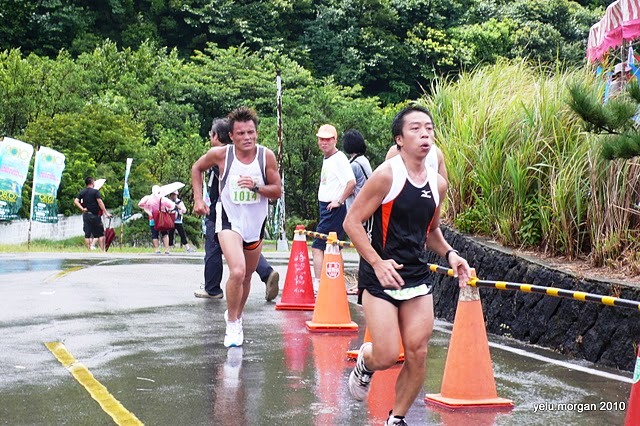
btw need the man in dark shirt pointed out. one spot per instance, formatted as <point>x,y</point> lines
<point>90,202</point>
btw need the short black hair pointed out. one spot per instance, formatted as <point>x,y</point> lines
<point>88,180</point>
<point>398,121</point>
<point>242,115</point>
<point>220,127</point>
<point>353,142</point>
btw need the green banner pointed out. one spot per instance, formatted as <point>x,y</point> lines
<point>47,173</point>
<point>15,157</point>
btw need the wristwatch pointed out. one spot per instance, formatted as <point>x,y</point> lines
<point>449,252</point>
<point>255,188</point>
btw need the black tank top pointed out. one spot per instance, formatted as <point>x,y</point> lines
<point>400,225</point>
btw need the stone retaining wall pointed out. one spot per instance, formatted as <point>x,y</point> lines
<point>605,335</point>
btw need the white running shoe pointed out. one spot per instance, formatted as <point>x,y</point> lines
<point>360,377</point>
<point>234,335</point>
<point>393,421</point>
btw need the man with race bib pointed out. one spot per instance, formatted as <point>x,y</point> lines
<point>248,179</point>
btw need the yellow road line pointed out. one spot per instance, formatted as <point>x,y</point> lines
<point>63,273</point>
<point>109,404</point>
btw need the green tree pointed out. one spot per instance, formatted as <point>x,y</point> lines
<point>149,83</point>
<point>43,27</point>
<point>95,142</point>
<point>616,120</point>
<point>487,41</point>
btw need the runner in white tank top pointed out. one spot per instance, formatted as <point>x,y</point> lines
<point>249,176</point>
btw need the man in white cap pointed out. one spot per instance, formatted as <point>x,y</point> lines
<point>337,182</point>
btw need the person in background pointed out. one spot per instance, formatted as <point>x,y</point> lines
<point>90,202</point>
<point>150,204</point>
<point>336,185</point>
<point>403,199</point>
<point>435,159</point>
<point>354,145</point>
<point>179,211</point>
<point>219,136</point>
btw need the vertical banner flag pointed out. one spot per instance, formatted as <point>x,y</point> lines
<point>15,157</point>
<point>127,205</point>
<point>47,173</point>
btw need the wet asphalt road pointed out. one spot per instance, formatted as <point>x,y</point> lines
<point>133,322</point>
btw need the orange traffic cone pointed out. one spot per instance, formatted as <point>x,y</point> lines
<point>633,412</point>
<point>297,294</point>
<point>331,312</point>
<point>353,354</point>
<point>468,380</point>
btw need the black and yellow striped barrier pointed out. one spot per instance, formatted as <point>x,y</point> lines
<point>503,285</point>
<point>549,291</point>
<point>325,237</point>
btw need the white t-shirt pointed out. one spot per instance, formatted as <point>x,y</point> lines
<point>336,172</point>
<point>361,170</point>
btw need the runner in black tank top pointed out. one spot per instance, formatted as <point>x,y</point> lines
<point>403,196</point>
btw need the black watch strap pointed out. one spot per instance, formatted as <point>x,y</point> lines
<point>449,252</point>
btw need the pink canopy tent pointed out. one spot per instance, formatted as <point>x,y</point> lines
<point>620,23</point>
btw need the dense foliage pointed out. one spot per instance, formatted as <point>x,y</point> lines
<point>522,170</point>
<point>616,119</point>
<point>389,47</point>
<point>149,104</point>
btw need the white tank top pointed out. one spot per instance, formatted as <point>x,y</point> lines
<point>246,210</point>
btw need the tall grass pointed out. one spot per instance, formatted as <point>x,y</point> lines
<point>523,171</point>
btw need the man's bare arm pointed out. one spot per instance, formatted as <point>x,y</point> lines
<point>103,208</point>
<point>79,205</point>
<point>273,189</point>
